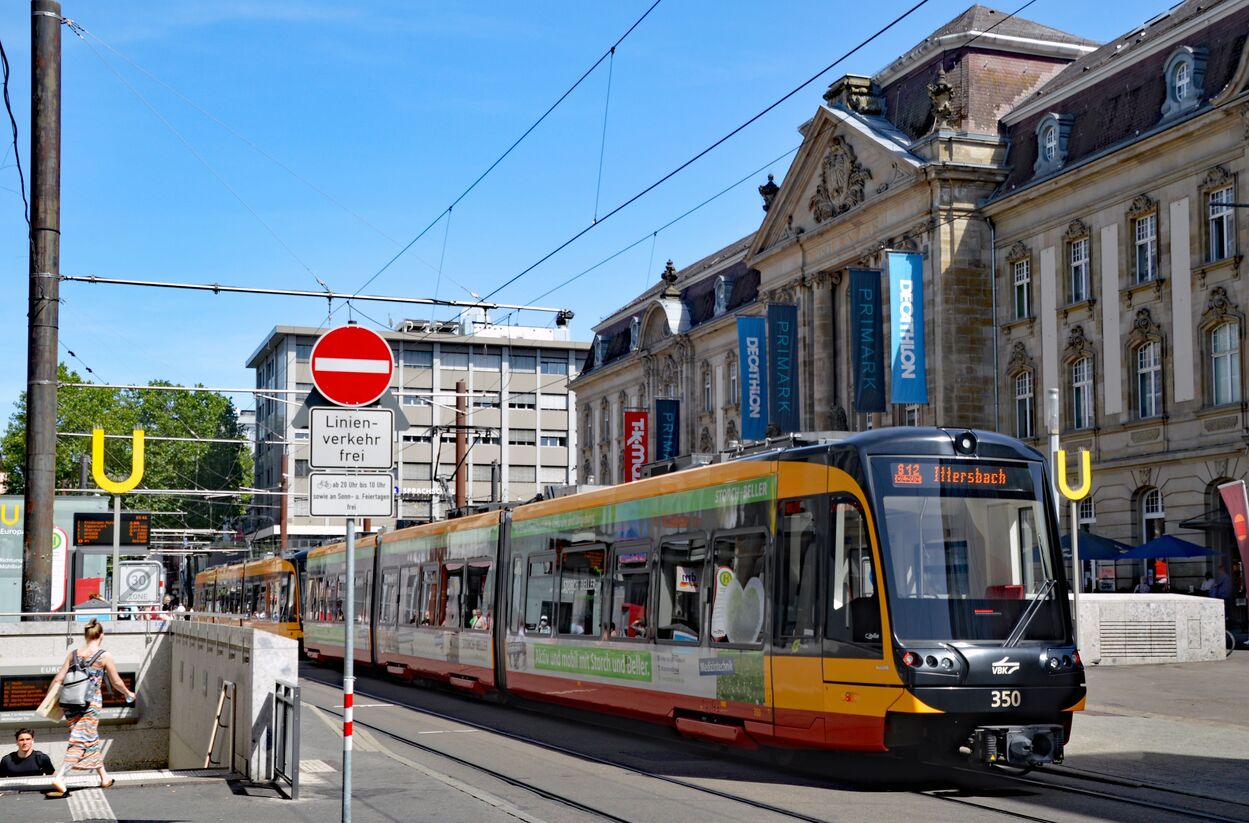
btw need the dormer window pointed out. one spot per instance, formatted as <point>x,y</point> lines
<point>1185,74</point>
<point>600,349</point>
<point>1051,140</point>
<point>635,333</point>
<point>723,286</point>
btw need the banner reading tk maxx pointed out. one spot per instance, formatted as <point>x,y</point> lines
<point>752,356</point>
<point>906,328</point>
<point>636,441</point>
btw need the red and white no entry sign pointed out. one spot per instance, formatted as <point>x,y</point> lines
<point>352,365</point>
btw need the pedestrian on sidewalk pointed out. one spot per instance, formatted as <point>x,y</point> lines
<point>25,762</point>
<point>1223,590</point>
<point>86,752</point>
<point>1141,587</point>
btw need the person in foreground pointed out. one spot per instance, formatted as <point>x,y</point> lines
<point>25,762</point>
<point>85,750</point>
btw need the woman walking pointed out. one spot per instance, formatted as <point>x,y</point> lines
<point>85,751</point>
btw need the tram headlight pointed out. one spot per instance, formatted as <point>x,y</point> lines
<point>911,660</point>
<point>965,443</point>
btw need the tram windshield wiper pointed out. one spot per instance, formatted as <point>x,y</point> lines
<point>1025,619</point>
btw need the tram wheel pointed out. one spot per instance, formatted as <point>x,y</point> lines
<point>1013,771</point>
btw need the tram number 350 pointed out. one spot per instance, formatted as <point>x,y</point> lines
<point>1004,699</point>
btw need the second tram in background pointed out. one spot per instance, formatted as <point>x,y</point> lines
<point>264,593</point>
<point>896,589</point>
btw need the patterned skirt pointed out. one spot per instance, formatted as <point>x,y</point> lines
<point>85,750</point>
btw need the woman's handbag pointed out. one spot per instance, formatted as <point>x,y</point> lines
<point>50,705</point>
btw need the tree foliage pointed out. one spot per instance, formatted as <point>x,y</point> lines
<point>190,464</point>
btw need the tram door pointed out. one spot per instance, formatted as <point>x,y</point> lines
<point>854,628</point>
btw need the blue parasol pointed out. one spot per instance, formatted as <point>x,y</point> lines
<point>1168,545</point>
<point>1096,547</point>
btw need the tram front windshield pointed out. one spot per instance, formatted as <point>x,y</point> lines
<point>966,550</point>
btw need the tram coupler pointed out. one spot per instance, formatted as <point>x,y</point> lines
<point>1022,746</point>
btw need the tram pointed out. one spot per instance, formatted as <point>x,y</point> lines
<point>897,589</point>
<point>265,592</point>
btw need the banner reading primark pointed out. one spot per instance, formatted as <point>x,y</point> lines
<point>906,328</point>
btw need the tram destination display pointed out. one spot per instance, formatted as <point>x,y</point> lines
<point>96,528</point>
<point>953,476</point>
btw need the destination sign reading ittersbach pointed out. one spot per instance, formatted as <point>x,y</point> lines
<point>351,438</point>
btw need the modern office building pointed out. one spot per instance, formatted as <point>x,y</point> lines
<point>519,410</point>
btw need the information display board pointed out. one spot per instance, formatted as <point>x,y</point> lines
<point>96,528</point>
<point>23,693</point>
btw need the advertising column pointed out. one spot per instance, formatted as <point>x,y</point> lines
<point>906,328</point>
<point>752,355</point>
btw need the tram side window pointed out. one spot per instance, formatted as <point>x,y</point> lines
<point>410,582</point>
<point>429,596</point>
<point>798,569</point>
<point>579,605</point>
<point>312,599</point>
<point>390,599</point>
<point>477,590</point>
<point>364,599</point>
<point>679,611</point>
<point>630,593</point>
<point>853,603</point>
<point>516,606</point>
<point>539,595</point>
<point>737,610</point>
<point>453,578</point>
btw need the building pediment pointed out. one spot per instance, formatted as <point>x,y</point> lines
<point>847,160</point>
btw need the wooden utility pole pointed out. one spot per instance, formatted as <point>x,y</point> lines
<point>45,270</point>
<point>461,444</point>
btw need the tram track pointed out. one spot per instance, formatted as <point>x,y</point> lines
<point>1066,771</point>
<point>942,795</point>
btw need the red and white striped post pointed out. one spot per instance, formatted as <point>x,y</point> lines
<point>349,660</point>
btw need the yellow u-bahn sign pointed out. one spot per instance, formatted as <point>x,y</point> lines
<point>1086,475</point>
<point>97,463</point>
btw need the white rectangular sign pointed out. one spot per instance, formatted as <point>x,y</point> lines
<point>351,438</point>
<point>334,494</point>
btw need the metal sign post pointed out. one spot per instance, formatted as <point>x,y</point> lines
<point>349,669</point>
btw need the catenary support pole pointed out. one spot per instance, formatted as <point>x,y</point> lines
<point>114,590</point>
<point>1077,571</point>
<point>45,268</point>
<point>349,666</point>
<point>461,444</point>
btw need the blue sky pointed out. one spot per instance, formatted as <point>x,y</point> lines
<point>393,109</point>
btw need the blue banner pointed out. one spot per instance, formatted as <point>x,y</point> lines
<point>667,429</point>
<point>783,375</point>
<point>906,328</point>
<point>867,344</point>
<point>752,355</point>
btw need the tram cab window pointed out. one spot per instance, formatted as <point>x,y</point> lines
<point>286,598</point>
<point>740,595</point>
<point>580,575</point>
<point>389,607</point>
<point>453,580</point>
<point>679,612</point>
<point>539,595</point>
<point>797,567</point>
<point>853,602</point>
<point>477,590</point>
<point>630,593</point>
<point>429,608</point>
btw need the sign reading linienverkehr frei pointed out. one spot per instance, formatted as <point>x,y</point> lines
<point>351,438</point>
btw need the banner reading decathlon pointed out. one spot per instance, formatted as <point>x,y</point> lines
<point>635,445</point>
<point>783,357</point>
<point>667,429</point>
<point>867,340</point>
<point>752,355</point>
<point>906,328</point>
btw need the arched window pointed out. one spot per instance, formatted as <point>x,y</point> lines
<point>1149,380</point>
<point>1082,393</point>
<point>1225,363</point>
<point>1025,407</point>
<point>1086,513</point>
<point>1185,72</point>
<point>1049,144</point>
<point>1181,81</point>
<point>1152,518</point>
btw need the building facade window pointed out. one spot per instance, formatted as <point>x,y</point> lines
<point>554,440</point>
<point>1051,138</point>
<point>731,367</point>
<point>1078,258</point>
<point>1145,232</point>
<point>910,415</point>
<point>522,400</point>
<point>1023,288</point>
<point>554,364</point>
<point>708,398</point>
<point>1149,380</point>
<point>1086,513</point>
<point>1024,405</point>
<point>1184,73</point>
<point>416,358</point>
<point>1221,230</point>
<point>521,437</point>
<point>1225,364</point>
<point>1082,393</point>
<point>1152,516</point>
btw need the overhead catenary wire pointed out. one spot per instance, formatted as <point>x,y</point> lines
<point>512,147</point>
<point>17,156</point>
<point>895,21</point>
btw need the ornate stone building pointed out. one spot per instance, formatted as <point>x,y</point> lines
<point>1074,205</point>
<point>1121,253</point>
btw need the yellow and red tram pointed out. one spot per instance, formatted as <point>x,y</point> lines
<point>262,593</point>
<point>895,589</point>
